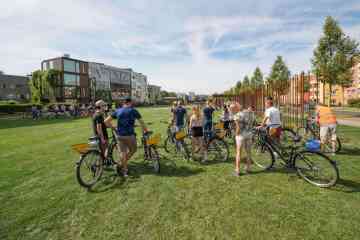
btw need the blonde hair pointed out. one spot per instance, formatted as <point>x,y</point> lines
<point>196,111</point>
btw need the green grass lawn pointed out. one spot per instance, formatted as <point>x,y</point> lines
<point>40,198</point>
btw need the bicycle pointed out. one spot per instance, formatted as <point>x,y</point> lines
<point>313,166</point>
<point>92,163</point>
<point>90,166</point>
<point>175,142</point>
<point>311,130</point>
<point>215,145</point>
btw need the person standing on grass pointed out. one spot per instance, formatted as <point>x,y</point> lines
<point>126,137</point>
<point>244,121</point>
<point>208,117</point>
<point>272,119</point>
<point>99,126</point>
<point>195,125</point>
<point>180,117</point>
<point>326,119</point>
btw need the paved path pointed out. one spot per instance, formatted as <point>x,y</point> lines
<point>354,122</point>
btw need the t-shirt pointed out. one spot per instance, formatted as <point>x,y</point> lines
<point>246,121</point>
<point>98,118</point>
<point>126,117</point>
<point>273,115</point>
<point>208,111</point>
<point>180,113</point>
<point>326,116</point>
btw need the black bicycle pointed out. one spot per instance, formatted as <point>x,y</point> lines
<point>92,163</point>
<point>311,130</point>
<point>175,142</point>
<point>314,167</point>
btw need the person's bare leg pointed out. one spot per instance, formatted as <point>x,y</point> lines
<point>238,158</point>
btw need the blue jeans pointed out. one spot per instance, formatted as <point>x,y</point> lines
<point>207,129</point>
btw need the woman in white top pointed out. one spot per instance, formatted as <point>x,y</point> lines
<point>196,126</point>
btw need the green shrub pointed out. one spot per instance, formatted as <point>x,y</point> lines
<point>354,102</point>
<point>14,108</point>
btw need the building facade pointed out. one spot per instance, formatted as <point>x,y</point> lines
<point>73,83</point>
<point>139,88</point>
<point>14,87</point>
<point>120,83</point>
<point>154,94</point>
<point>353,91</point>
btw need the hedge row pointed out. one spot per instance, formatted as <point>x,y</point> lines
<point>14,108</point>
<point>354,103</point>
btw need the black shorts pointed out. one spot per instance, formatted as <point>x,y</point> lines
<point>197,131</point>
<point>227,124</point>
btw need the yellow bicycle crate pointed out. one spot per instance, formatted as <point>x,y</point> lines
<point>219,125</point>
<point>180,135</point>
<point>154,140</point>
<point>220,134</point>
<point>81,148</point>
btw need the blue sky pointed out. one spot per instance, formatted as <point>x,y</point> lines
<point>201,46</point>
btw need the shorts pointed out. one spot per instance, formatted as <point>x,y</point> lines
<point>325,130</point>
<point>244,141</point>
<point>275,132</point>
<point>127,144</point>
<point>227,124</point>
<point>197,131</point>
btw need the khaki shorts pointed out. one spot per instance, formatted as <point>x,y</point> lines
<point>127,144</point>
<point>325,130</point>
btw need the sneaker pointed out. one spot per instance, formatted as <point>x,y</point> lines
<point>125,173</point>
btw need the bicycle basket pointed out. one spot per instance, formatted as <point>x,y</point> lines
<point>81,148</point>
<point>219,125</point>
<point>221,133</point>
<point>312,145</point>
<point>154,140</point>
<point>180,135</point>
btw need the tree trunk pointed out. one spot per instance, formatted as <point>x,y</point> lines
<point>342,96</point>
<point>324,94</point>
<point>330,95</point>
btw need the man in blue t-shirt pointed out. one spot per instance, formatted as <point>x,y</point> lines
<point>208,117</point>
<point>179,117</point>
<point>126,136</point>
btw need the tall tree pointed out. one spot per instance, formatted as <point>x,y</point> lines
<point>279,77</point>
<point>238,87</point>
<point>35,84</point>
<point>257,79</point>
<point>333,57</point>
<point>246,83</point>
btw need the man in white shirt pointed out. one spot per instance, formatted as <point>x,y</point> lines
<point>272,118</point>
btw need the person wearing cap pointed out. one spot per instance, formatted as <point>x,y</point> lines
<point>126,137</point>
<point>99,126</point>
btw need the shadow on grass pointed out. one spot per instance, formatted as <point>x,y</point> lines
<point>350,151</point>
<point>15,123</point>
<point>108,182</point>
<point>347,186</point>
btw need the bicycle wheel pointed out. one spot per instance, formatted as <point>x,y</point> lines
<point>155,158</point>
<point>115,155</point>
<point>316,168</point>
<point>169,145</point>
<point>217,150</point>
<point>262,155</point>
<point>184,149</point>
<point>89,169</point>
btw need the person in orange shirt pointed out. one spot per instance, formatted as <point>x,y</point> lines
<point>327,120</point>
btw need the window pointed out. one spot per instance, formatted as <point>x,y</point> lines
<point>44,66</point>
<point>77,67</point>
<point>4,85</point>
<point>12,86</point>
<point>71,79</point>
<point>69,66</point>
<point>51,64</point>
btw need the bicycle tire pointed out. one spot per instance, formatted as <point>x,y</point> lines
<point>95,168</point>
<point>304,163</point>
<point>259,155</point>
<point>155,158</point>
<point>217,149</point>
<point>184,150</point>
<point>169,145</point>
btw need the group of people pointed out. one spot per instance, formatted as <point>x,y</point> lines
<point>200,123</point>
